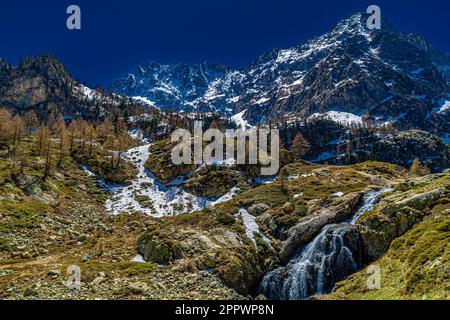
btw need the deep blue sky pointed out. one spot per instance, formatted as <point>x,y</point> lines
<point>118,35</point>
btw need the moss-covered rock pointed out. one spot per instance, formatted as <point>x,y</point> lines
<point>157,247</point>
<point>258,209</point>
<point>288,208</point>
<point>399,212</point>
<point>308,227</point>
<point>100,164</point>
<point>161,165</point>
<point>213,181</point>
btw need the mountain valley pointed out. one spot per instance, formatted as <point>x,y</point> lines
<point>87,180</point>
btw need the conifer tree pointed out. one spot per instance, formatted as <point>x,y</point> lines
<point>300,146</point>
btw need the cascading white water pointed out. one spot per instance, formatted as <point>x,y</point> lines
<point>334,254</point>
<point>369,202</point>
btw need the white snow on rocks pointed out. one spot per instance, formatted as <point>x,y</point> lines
<point>343,118</point>
<point>88,92</point>
<point>445,107</point>
<point>146,194</point>
<point>251,227</point>
<point>144,101</point>
<point>234,99</point>
<point>262,101</point>
<point>230,195</point>
<point>306,175</point>
<point>87,171</point>
<point>137,134</point>
<point>240,121</point>
<point>138,258</point>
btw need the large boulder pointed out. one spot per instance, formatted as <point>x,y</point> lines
<point>213,181</point>
<point>161,165</point>
<point>157,247</point>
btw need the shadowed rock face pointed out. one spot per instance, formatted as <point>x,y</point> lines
<point>43,84</point>
<point>33,83</point>
<point>333,142</point>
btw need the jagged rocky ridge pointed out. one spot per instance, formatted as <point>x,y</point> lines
<point>384,75</point>
<point>43,84</point>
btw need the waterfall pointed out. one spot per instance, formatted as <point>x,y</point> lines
<point>369,202</point>
<point>337,252</point>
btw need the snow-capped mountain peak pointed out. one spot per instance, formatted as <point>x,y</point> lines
<point>384,74</point>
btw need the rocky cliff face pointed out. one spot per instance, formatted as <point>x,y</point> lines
<point>42,83</point>
<point>35,82</point>
<point>175,87</point>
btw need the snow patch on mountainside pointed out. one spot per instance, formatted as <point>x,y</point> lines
<point>251,227</point>
<point>240,121</point>
<point>149,196</point>
<point>227,197</point>
<point>144,100</point>
<point>344,118</point>
<point>137,134</point>
<point>138,258</point>
<point>262,101</point>
<point>88,92</point>
<point>445,107</point>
